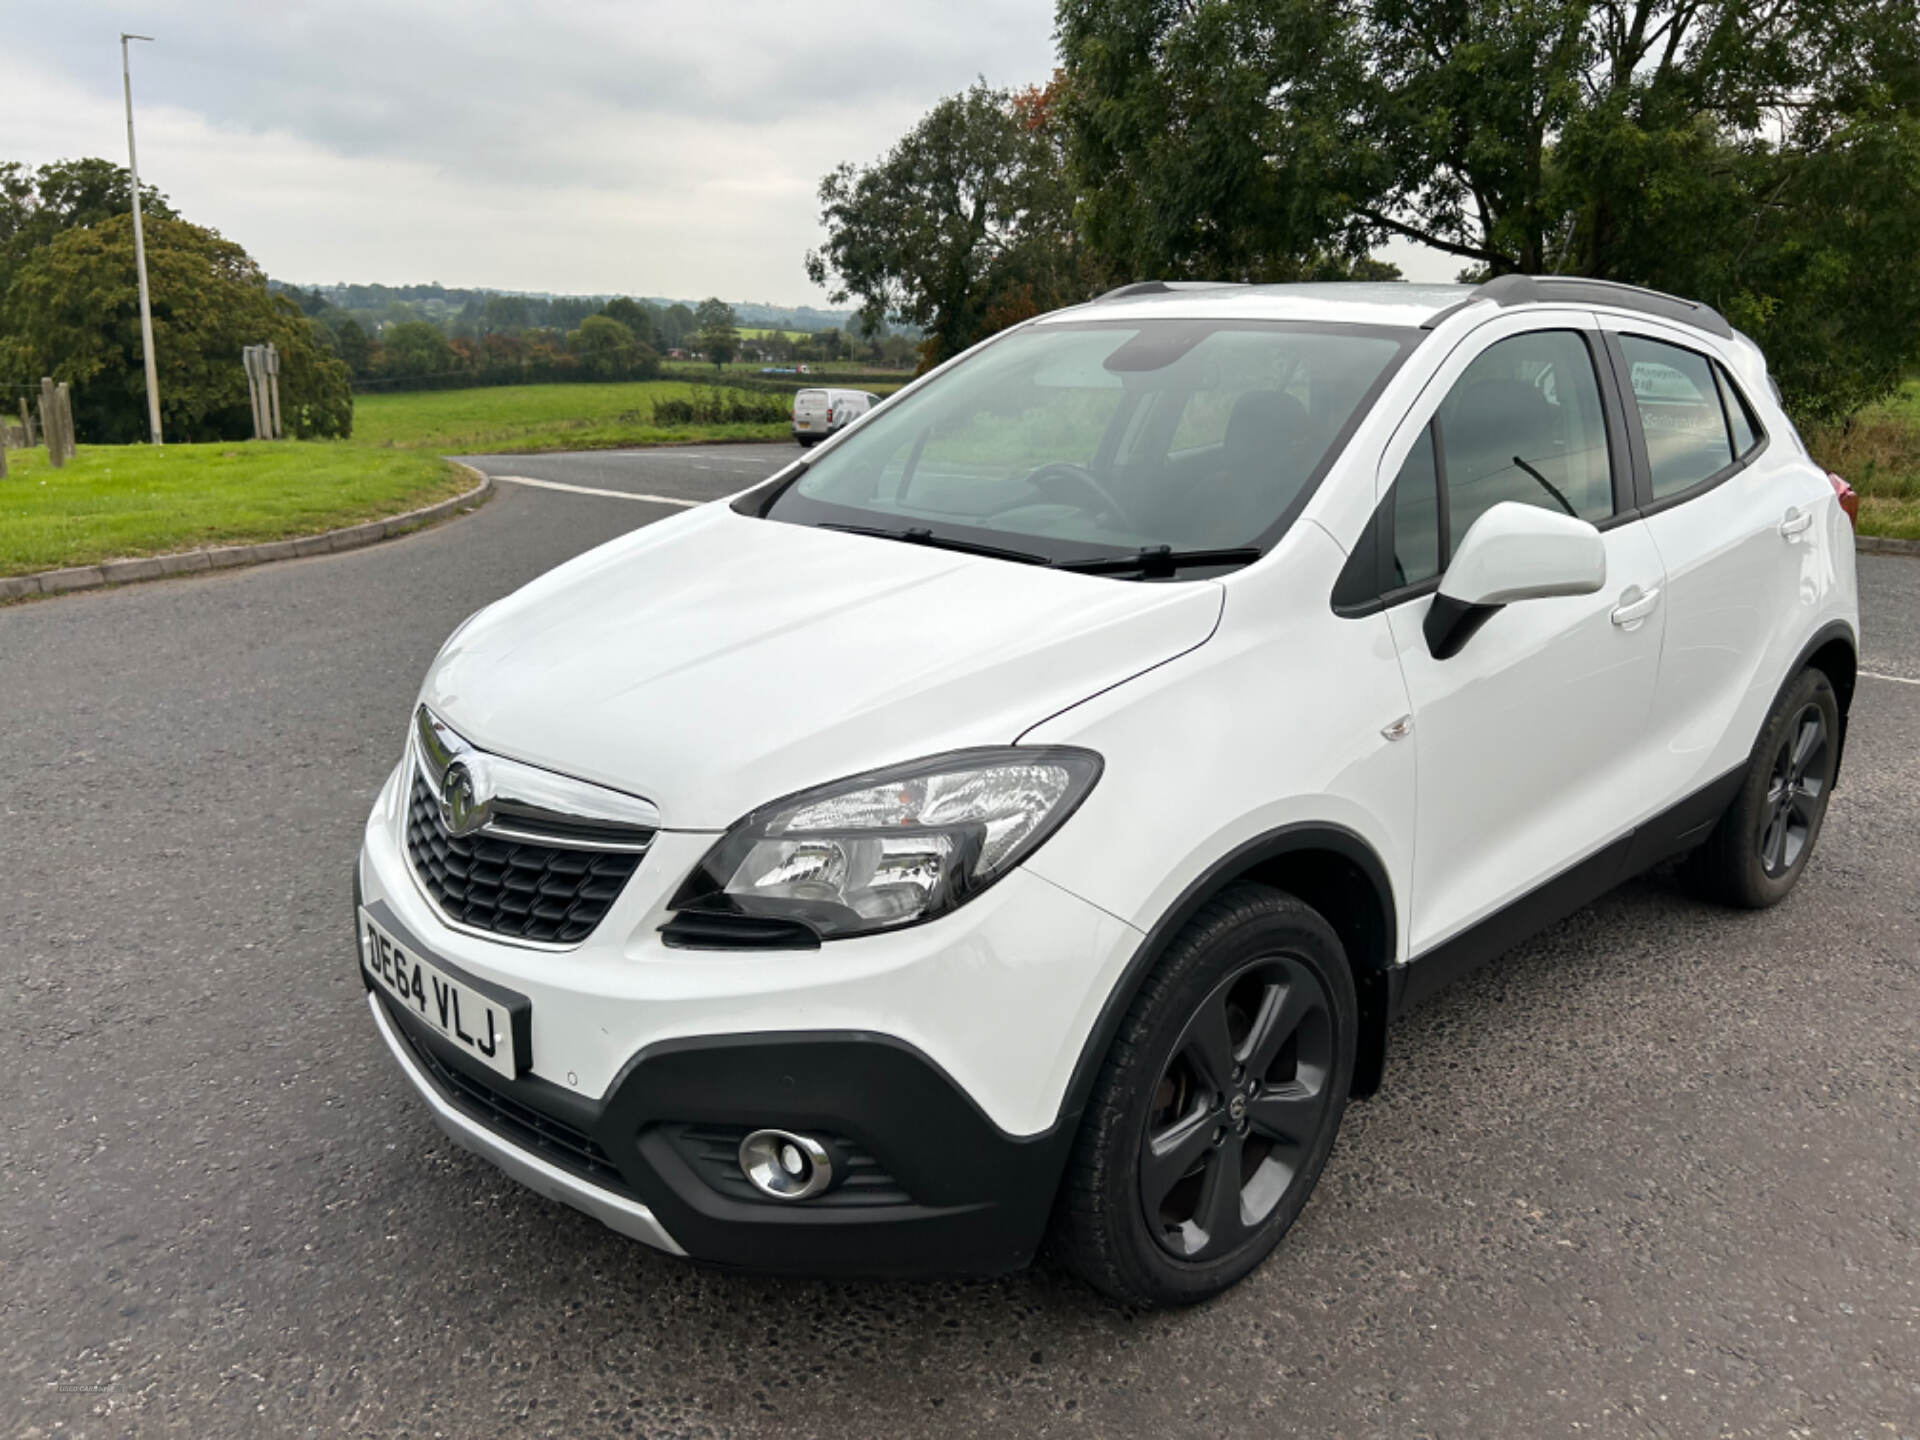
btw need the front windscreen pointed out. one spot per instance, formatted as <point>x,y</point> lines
<point>1077,440</point>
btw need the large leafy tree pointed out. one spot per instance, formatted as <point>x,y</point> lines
<point>71,311</point>
<point>1759,154</point>
<point>37,205</point>
<point>965,226</point>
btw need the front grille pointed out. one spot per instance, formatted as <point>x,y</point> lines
<point>553,1140</point>
<point>514,888</point>
<point>714,1153</point>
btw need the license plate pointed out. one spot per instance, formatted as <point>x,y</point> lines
<point>489,1022</point>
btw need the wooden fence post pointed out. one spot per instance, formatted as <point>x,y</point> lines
<point>26,424</point>
<point>3,449</point>
<point>50,422</point>
<point>63,392</point>
<point>256,390</point>
<point>273,388</point>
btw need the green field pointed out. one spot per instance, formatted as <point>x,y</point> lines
<point>509,419</point>
<point>116,501</point>
<point>1878,453</point>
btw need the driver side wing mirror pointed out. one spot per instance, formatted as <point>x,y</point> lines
<point>1512,552</point>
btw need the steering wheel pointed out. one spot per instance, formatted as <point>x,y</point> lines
<point>1048,476</point>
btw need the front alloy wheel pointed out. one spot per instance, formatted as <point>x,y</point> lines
<point>1217,1106</point>
<point>1237,1108</point>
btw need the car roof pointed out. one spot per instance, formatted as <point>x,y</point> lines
<point>1390,302</point>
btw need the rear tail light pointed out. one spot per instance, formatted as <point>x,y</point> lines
<point>1849,498</point>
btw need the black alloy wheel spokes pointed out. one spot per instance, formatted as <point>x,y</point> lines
<point>1796,793</point>
<point>1237,1108</point>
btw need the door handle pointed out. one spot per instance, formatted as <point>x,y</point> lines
<point>1795,521</point>
<point>1635,605</point>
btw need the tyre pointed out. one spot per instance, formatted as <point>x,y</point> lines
<point>1216,1108</point>
<point>1759,849</point>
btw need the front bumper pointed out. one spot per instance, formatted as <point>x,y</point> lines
<point>934,1059</point>
<point>615,1211</point>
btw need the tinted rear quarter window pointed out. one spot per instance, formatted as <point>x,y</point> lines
<point>1681,417</point>
<point>1746,431</point>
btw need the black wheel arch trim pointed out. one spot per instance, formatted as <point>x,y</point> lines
<point>1374,983</point>
<point>1826,635</point>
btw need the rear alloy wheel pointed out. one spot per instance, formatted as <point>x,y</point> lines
<point>1217,1107</point>
<point>1796,795</point>
<point>1761,845</point>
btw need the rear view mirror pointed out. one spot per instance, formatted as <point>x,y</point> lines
<point>1512,552</point>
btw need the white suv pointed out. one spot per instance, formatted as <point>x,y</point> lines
<point>1023,816</point>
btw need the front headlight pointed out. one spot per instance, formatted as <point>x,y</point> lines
<point>892,847</point>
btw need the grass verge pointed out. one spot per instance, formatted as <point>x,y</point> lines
<point>514,419</point>
<point>113,502</point>
<point>1878,453</point>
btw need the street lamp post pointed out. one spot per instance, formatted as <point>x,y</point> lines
<point>140,247</point>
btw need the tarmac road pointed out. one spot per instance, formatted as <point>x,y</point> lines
<point>1655,1174</point>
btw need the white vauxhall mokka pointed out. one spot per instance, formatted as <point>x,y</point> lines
<point>1021,818</point>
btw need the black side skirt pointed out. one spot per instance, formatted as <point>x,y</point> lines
<point>1680,828</point>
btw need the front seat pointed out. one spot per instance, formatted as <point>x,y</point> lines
<point>1266,456</point>
<point>1489,424</point>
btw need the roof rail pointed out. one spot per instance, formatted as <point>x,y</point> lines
<point>1541,289</point>
<point>1165,287</point>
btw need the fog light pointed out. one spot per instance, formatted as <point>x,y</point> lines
<point>785,1166</point>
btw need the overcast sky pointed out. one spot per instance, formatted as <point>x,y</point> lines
<point>591,147</point>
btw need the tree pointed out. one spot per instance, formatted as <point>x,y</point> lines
<point>72,312</point>
<point>566,311</point>
<point>505,314</point>
<point>350,344</point>
<point>414,349</point>
<point>676,325</point>
<point>1693,145</point>
<point>718,335</point>
<point>607,350</point>
<point>963,227</point>
<point>636,316</point>
<point>37,205</point>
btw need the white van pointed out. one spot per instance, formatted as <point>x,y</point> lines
<point>820,413</point>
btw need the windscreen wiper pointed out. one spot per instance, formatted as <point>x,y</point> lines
<point>1158,562</point>
<point>920,535</point>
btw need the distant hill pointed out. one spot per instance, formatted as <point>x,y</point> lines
<point>440,303</point>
